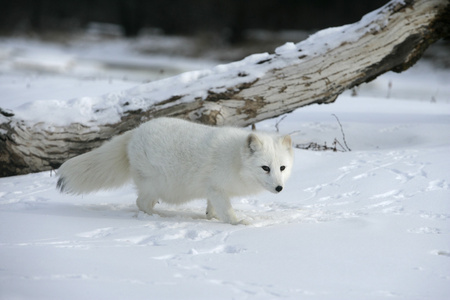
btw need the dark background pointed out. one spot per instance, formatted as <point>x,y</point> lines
<point>229,18</point>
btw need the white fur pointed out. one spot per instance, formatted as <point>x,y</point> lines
<point>176,161</point>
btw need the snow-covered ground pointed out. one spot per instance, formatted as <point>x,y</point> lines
<point>372,223</point>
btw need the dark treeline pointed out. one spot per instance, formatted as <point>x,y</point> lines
<point>182,16</point>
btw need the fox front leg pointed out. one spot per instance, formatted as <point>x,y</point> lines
<point>219,206</point>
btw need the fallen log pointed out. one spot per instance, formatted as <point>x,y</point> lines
<point>259,87</point>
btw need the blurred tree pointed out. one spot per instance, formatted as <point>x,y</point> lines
<point>183,16</point>
<point>131,16</point>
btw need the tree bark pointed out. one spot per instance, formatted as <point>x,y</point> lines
<point>326,64</point>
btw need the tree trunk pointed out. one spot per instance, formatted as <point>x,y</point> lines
<point>263,86</point>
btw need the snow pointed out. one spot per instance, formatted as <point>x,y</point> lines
<point>372,223</point>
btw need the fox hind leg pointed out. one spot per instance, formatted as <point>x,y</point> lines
<point>146,200</point>
<point>146,205</point>
<point>210,212</point>
<point>147,196</point>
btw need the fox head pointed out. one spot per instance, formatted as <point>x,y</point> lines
<point>268,160</point>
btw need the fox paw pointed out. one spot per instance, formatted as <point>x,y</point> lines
<point>211,215</point>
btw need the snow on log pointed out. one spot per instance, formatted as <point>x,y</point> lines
<point>260,86</point>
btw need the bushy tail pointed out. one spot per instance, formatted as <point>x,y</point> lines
<point>103,168</point>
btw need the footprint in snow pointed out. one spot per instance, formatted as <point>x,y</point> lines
<point>441,253</point>
<point>396,194</point>
<point>97,233</point>
<point>172,236</point>
<point>437,185</point>
<point>425,230</point>
<point>221,249</point>
<point>144,240</point>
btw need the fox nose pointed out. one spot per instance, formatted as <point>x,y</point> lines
<point>279,188</point>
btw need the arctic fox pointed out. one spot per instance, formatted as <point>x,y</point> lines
<point>176,161</point>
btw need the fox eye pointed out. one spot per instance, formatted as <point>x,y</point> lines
<point>282,168</point>
<point>266,168</point>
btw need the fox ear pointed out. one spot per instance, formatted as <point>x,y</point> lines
<point>286,141</point>
<point>253,143</point>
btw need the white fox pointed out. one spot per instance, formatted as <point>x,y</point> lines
<point>176,161</point>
